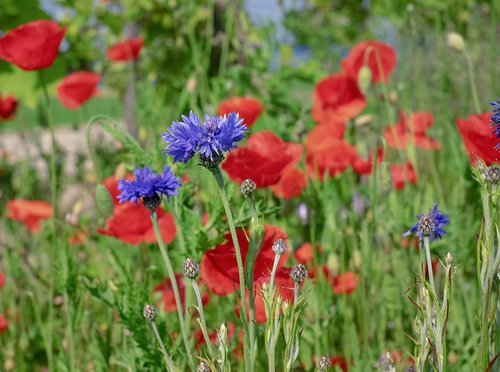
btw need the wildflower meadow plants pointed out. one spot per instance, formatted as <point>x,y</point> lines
<point>246,217</point>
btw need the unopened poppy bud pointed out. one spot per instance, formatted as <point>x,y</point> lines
<point>150,312</point>
<point>279,247</point>
<point>247,186</point>
<point>448,258</point>
<point>455,41</point>
<point>191,268</point>
<point>298,273</point>
<point>324,363</point>
<point>364,78</point>
<point>203,367</point>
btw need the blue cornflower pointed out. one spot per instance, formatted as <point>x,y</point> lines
<point>429,225</point>
<point>149,187</point>
<point>495,118</point>
<point>210,139</point>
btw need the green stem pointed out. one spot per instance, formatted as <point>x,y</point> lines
<point>175,288</point>
<point>241,269</point>
<point>472,81</point>
<point>203,324</point>
<point>166,357</point>
<point>429,265</point>
<point>296,290</point>
<point>273,274</point>
<point>53,199</point>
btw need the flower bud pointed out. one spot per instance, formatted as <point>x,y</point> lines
<point>448,258</point>
<point>364,78</point>
<point>191,268</point>
<point>279,247</point>
<point>298,273</point>
<point>323,363</point>
<point>203,367</point>
<point>247,187</point>
<point>150,312</point>
<point>455,41</point>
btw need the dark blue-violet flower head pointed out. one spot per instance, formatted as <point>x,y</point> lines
<point>149,187</point>
<point>430,225</point>
<point>210,139</point>
<point>495,118</point>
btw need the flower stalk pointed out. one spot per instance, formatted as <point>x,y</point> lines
<point>171,275</point>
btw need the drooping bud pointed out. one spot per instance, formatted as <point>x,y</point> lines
<point>150,312</point>
<point>323,363</point>
<point>247,187</point>
<point>279,247</point>
<point>191,268</point>
<point>298,273</point>
<point>364,78</point>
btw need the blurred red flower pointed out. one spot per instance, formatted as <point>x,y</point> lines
<point>411,129</point>
<point>111,184</point>
<point>4,324</point>
<point>263,159</point>
<point>32,46</point>
<point>8,107</point>
<point>131,224</point>
<point>337,98</point>
<point>291,184</point>
<point>29,212</point>
<point>401,174</point>
<point>78,238</point>
<point>305,254</point>
<point>379,57</point>
<point>478,138</point>
<point>219,270</point>
<point>248,108</point>
<point>344,283</point>
<point>127,50</point>
<point>77,88</point>
<point>327,154</point>
<point>365,167</point>
<point>340,362</point>
<point>2,280</point>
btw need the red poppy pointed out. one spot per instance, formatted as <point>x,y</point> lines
<point>379,57</point>
<point>78,238</point>
<point>365,167</point>
<point>4,324</point>
<point>305,254</point>
<point>2,280</point>
<point>411,129</point>
<point>337,98</point>
<point>401,174</point>
<point>291,184</point>
<point>8,107</point>
<point>131,224</point>
<point>340,362</point>
<point>32,46</point>
<point>344,283</point>
<point>111,184</point>
<point>248,108</point>
<point>479,139</point>
<point>263,159</point>
<point>77,88</point>
<point>29,212</point>
<point>127,50</point>
<point>328,155</point>
<point>219,270</point>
